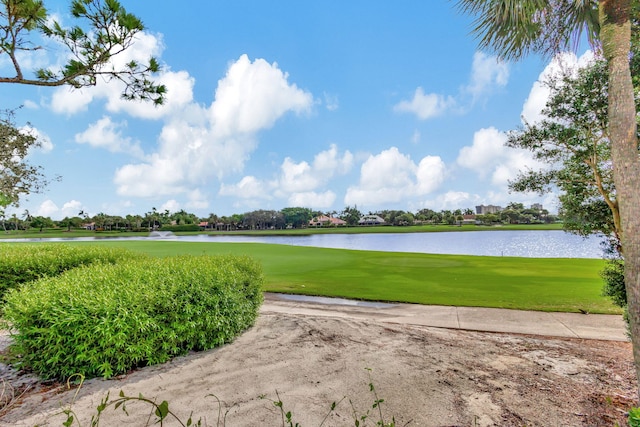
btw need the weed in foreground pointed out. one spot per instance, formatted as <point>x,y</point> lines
<point>160,413</point>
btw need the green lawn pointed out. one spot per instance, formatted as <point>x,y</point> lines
<point>519,283</point>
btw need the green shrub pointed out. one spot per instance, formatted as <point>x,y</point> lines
<point>102,320</point>
<point>184,227</point>
<point>634,417</point>
<point>21,263</point>
<point>613,276</point>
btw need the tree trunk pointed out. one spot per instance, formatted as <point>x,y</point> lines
<point>615,35</point>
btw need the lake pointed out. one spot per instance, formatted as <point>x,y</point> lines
<point>525,243</point>
<point>518,243</point>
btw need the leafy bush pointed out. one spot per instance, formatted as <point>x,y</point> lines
<point>184,227</point>
<point>613,276</point>
<point>21,263</point>
<point>102,320</point>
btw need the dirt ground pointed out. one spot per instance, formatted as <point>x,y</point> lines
<point>426,376</point>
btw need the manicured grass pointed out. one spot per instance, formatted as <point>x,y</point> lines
<point>58,233</point>
<point>519,283</point>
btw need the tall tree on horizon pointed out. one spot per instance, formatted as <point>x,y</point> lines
<point>516,28</point>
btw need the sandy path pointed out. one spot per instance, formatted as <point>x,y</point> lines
<point>427,376</point>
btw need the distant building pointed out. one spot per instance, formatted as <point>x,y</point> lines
<point>371,220</point>
<point>326,221</point>
<point>488,209</point>
<point>469,219</point>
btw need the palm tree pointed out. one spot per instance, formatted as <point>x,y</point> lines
<point>15,220</point>
<point>26,215</point>
<point>514,28</point>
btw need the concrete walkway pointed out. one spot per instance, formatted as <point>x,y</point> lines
<point>571,325</point>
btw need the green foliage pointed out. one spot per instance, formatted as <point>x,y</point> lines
<point>613,276</point>
<point>573,140</point>
<point>361,419</point>
<point>101,30</point>
<point>181,228</point>
<point>351,215</point>
<point>161,411</point>
<point>634,417</point>
<point>396,217</point>
<point>102,320</point>
<point>263,220</point>
<point>514,28</point>
<point>17,175</point>
<point>21,263</point>
<point>297,217</point>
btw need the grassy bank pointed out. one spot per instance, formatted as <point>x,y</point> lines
<point>567,285</point>
<point>393,229</point>
<point>59,233</point>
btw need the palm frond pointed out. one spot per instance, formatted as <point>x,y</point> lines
<point>515,28</point>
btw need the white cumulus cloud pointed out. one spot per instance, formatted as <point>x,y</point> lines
<point>391,176</point>
<point>201,143</point>
<point>453,200</point>
<point>170,205</point>
<point>331,102</point>
<point>487,73</point>
<point>539,94</point>
<point>489,157</point>
<point>248,187</point>
<point>302,176</point>
<point>252,96</point>
<point>312,199</point>
<point>49,209</point>
<point>425,106</point>
<point>300,183</point>
<point>108,135</point>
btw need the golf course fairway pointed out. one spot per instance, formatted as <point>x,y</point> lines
<point>544,284</point>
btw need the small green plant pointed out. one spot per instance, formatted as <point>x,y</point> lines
<point>160,413</point>
<point>360,420</point>
<point>287,416</point>
<point>634,417</point>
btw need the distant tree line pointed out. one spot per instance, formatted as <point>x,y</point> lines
<point>290,217</point>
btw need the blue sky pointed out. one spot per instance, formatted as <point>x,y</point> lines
<point>383,105</point>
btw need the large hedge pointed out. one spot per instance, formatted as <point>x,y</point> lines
<point>21,263</point>
<point>103,320</point>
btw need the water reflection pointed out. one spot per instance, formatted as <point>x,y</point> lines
<point>525,243</point>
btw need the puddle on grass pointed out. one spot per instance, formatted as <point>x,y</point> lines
<point>334,301</point>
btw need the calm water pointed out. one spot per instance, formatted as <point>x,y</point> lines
<point>531,244</point>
